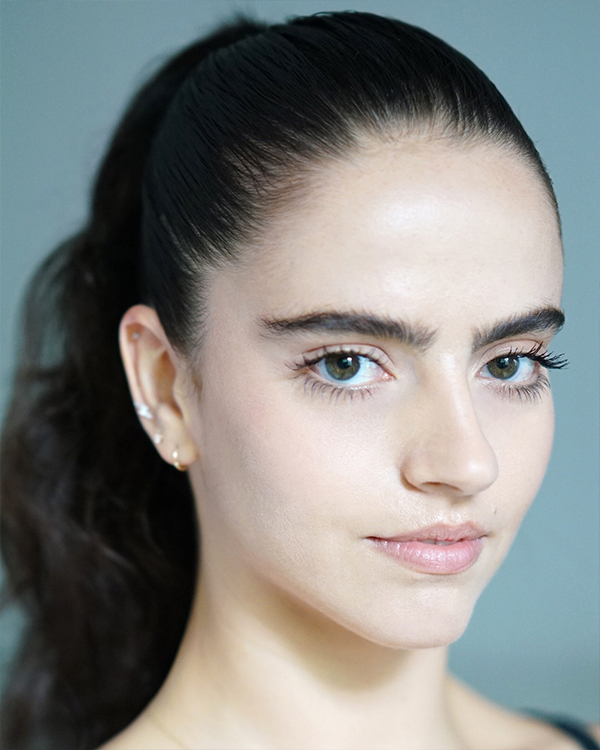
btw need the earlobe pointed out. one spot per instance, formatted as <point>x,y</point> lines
<point>153,370</point>
<point>176,464</point>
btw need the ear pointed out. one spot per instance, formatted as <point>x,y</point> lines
<point>158,384</point>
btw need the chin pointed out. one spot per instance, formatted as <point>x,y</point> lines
<point>419,632</point>
<point>410,624</point>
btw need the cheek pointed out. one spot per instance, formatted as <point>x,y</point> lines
<point>286,458</point>
<point>288,476</point>
<point>521,435</point>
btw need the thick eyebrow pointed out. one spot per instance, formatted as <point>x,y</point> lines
<point>417,336</point>
<point>540,320</point>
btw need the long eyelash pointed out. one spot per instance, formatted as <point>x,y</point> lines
<point>313,386</point>
<point>308,361</point>
<point>533,392</point>
<point>547,359</point>
<point>530,393</point>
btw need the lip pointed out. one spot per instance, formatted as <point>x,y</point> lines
<point>415,550</point>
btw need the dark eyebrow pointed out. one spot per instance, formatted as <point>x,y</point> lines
<point>415,336</point>
<point>541,320</point>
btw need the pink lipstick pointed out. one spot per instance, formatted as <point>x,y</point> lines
<point>439,549</point>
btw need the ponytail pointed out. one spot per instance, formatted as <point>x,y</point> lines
<point>99,539</point>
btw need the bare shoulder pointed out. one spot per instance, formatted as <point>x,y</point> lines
<point>485,724</point>
<point>141,735</point>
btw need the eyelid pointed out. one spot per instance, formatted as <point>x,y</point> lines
<point>315,382</point>
<point>525,391</point>
<point>519,347</point>
<point>538,352</point>
<point>378,356</point>
<point>532,389</point>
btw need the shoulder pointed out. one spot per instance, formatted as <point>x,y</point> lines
<point>141,735</point>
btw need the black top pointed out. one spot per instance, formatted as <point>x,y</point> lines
<point>573,728</point>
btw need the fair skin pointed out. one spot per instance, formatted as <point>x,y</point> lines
<point>304,634</point>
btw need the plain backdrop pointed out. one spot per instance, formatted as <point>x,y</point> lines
<point>68,69</point>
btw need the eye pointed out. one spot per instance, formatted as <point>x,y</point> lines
<point>510,367</point>
<point>348,367</point>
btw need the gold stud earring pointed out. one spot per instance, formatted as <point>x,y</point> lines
<point>176,464</point>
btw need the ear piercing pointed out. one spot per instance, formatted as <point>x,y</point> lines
<point>176,464</point>
<point>143,410</point>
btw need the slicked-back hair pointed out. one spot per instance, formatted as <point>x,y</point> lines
<point>99,534</point>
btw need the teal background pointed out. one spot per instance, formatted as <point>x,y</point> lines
<point>69,67</point>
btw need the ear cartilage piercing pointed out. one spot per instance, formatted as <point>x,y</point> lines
<point>143,410</point>
<point>176,464</point>
<point>135,335</point>
<point>157,439</point>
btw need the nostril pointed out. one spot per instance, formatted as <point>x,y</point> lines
<point>448,471</point>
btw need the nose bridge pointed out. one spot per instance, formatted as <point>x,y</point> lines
<point>449,449</point>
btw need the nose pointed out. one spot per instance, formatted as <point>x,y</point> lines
<point>449,452</point>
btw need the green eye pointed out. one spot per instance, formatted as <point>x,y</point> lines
<point>342,367</point>
<point>344,370</point>
<point>504,367</point>
<point>511,367</point>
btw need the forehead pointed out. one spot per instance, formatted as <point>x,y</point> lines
<point>421,227</point>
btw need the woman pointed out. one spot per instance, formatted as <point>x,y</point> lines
<point>333,259</point>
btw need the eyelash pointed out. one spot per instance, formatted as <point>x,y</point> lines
<point>530,392</point>
<point>315,386</point>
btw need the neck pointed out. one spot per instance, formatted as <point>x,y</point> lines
<point>265,671</point>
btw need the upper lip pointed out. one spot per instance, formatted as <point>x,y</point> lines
<point>439,533</point>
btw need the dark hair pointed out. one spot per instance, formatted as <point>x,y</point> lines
<point>99,534</point>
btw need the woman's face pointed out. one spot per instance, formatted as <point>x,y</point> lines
<point>360,382</point>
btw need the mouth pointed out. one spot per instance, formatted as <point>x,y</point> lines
<point>431,541</point>
<point>439,533</point>
<point>437,550</point>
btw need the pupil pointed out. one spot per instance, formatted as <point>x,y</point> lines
<point>342,368</point>
<point>504,367</point>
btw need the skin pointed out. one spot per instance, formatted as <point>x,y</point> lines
<point>302,633</point>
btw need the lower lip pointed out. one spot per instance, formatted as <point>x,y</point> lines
<point>440,559</point>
